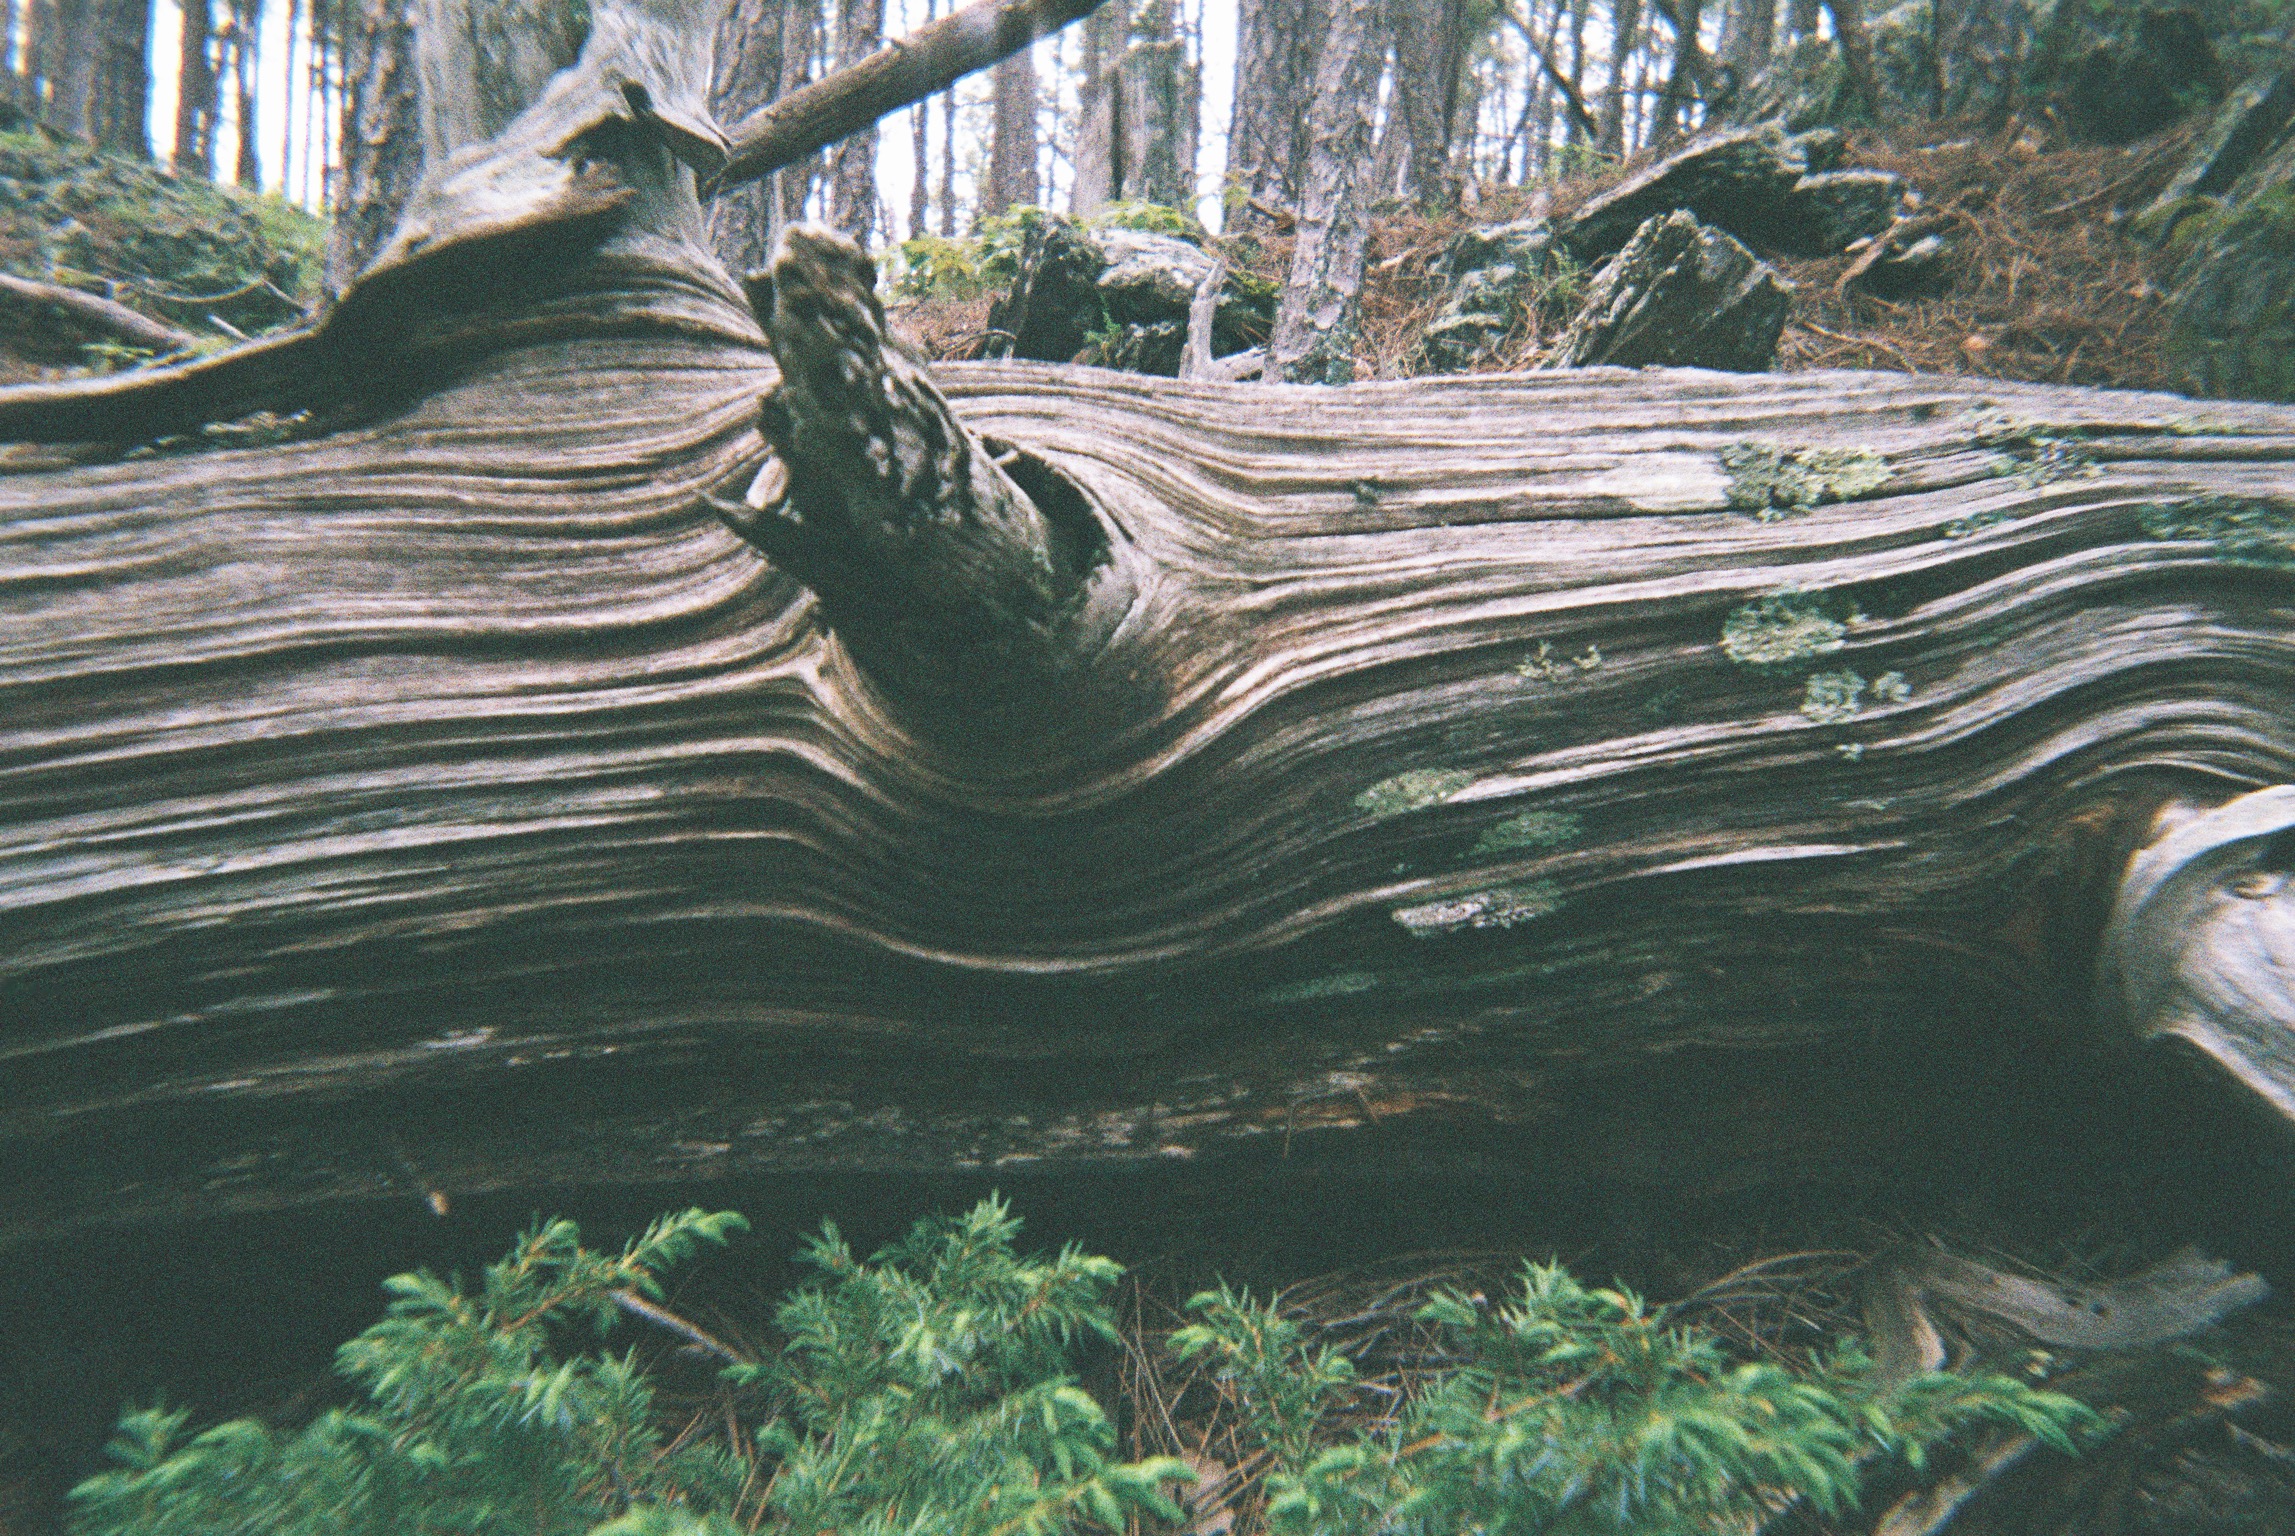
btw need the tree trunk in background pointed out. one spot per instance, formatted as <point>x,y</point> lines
<point>1012,140</point>
<point>748,75</point>
<point>948,163</point>
<point>382,152</point>
<point>920,151</point>
<point>196,93</point>
<point>1625,23</point>
<point>1676,100</point>
<point>1429,60</point>
<point>853,163</point>
<point>121,114</point>
<point>74,59</point>
<point>1141,101</point>
<point>802,47</point>
<point>1801,17</point>
<point>1856,51</point>
<point>246,59</point>
<point>1277,46</point>
<point>1750,38</point>
<point>1315,321</point>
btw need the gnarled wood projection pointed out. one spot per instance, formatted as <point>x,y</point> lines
<point>446,795</point>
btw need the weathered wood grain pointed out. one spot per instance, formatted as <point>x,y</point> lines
<point>444,786</point>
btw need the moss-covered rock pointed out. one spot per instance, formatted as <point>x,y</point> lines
<point>2231,317</point>
<point>178,249</point>
<point>1680,295</point>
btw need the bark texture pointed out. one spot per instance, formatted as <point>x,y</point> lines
<point>1443,753</point>
<point>1278,44</point>
<point>741,219</point>
<point>1012,143</point>
<point>853,163</point>
<point>1315,320</point>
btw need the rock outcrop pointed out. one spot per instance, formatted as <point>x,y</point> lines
<point>1119,298</point>
<point>1494,274</point>
<point>1774,191</point>
<point>1684,295</point>
<point>2231,213</point>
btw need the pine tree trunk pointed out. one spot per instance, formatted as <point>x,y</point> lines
<point>74,59</point>
<point>1856,51</point>
<point>748,76</point>
<point>123,83</point>
<point>1430,44</point>
<point>802,47</point>
<point>382,145</point>
<point>1012,145</point>
<point>853,163</point>
<point>1316,317</point>
<point>196,92</point>
<point>1688,15</point>
<point>1625,24</point>
<point>1278,46</point>
<point>920,151</point>
<point>1751,36</point>
<point>246,59</point>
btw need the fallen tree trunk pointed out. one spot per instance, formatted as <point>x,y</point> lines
<point>448,787</point>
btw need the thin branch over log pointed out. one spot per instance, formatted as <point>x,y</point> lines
<point>90,312</point>
<point>902,73</point>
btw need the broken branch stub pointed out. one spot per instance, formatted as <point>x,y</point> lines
<point>947,582</point>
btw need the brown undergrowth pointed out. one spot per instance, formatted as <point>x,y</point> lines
<point>2046,286</point>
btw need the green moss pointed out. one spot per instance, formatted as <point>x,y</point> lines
<point>2029,453</point>
<point>175,248</point>
<point>1772,483</point>
<point>1321,988</point>
<point>2244,530</point>
<point>1782,628</point>
<point>1531,829</point>
<point>1501,906</point>
<point>1833,697</point>
<point>1412,791</point>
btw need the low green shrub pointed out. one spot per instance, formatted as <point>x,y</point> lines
<point>927,1391</point>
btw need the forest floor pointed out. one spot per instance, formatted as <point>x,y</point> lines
<point>2047,284</point>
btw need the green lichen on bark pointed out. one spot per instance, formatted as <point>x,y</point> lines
<point>1531,829</point>
<point>2244,530</point>
<point>2029,453</point>
<point>1413,790</point>
<point>1783,628</point>
<point>1831,698</point>
<point>1773,483</point>
<point>1501,906</point>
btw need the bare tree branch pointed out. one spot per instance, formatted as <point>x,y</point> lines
<point>1570,97</point>
<point>898,75</point>
<point>91,312</point>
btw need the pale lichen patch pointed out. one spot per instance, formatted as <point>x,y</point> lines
<point>1772,482</point>
<point>1833,697</point>
<point>1531,829</point>
<point>2243,530</point>
<point>1891,688</point>
<point>1499,907</point>
<point>1781,628</point>
<point>1413,790</point>
<point>1544,665</point>
<point>2029,453</point>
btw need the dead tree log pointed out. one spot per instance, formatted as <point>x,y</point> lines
<point>447,782</point>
